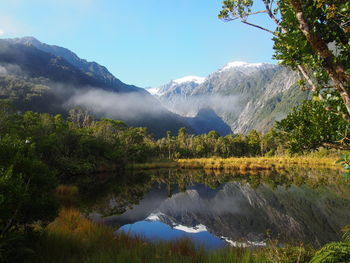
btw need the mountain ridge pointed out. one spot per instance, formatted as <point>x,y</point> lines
<point>38,80</point>
<point>244,95</point>
<point>89,68</point>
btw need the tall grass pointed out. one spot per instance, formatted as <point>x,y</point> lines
<point>243,164</point>
<point>72,238</point>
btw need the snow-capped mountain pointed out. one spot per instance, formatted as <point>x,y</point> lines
<point>188,229</point>
<point>244,95</point>
<point>181,86</point>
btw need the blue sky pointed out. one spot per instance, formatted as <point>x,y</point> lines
<point>142,42</point>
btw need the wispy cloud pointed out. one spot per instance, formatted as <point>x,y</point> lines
<point>128,106</point>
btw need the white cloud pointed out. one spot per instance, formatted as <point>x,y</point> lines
<point>2,32</point>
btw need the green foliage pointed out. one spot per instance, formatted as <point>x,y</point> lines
<point>236,9</point>
<point>26,183</point>
<point>310,126</point>
<point>346,233</point>
<point>312,37</point>
<point>26,186</point>
<point>212,144</point>
<point>335,252</point>
<point>39,150</point>
<point>345,163</point>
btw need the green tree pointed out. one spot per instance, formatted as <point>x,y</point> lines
<point>310,36</point>
<point>6,113</point>
<point>310,126</point>
<point>253,141</point>
<point>26,194</point>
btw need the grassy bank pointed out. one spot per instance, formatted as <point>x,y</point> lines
<point>73,238</point>
<point>242,164</point>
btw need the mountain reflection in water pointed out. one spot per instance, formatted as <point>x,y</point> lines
<point>242,210</point>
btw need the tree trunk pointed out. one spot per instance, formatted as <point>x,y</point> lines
<point>335,70</point>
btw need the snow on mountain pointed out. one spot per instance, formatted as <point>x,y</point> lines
<point>154,91</point>
<point>195,79</point>
<point>154,217</point>
<point>195,229</point>
<point>244,95</point>
<point>182,86</point>
<point>241,64</point>
<point>244,67</point>
<point>188,229</point>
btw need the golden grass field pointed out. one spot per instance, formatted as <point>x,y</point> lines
<point>242,164</point>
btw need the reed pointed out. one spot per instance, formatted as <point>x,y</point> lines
<point>256,163</point>
<point>243,164</point>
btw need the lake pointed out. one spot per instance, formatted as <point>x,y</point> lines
<point>216,209</point>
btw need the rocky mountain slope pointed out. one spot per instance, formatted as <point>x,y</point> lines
<point>245,96</point>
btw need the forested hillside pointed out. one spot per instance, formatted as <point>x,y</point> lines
<point>55,82</point>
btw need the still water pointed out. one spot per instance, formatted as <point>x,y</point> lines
<point>216,209</point>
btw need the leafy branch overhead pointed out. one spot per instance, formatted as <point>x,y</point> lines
<point>312,37</point>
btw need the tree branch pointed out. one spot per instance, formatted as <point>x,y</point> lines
<point>258,12</point>
<point>262,28</point>
<point>271,15</point>
<point>341,114</point>
<point>308,79</point>
<point>335,146</point>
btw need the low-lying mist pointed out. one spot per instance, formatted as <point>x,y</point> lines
<point>189,106</point>
<point>128,106</point>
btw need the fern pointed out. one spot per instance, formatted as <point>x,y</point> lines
<point>346,233</point>
<point>335,252</point>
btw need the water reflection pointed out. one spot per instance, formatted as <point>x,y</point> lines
<point>306,205</point>
<point>157,230</point>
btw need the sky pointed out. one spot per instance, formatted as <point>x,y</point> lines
<point>146,43</point>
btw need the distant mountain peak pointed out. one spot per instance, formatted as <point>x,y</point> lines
<point>25,40</point>
<point>153,91</point>
<point>91,69</point>
<point>196,79</point>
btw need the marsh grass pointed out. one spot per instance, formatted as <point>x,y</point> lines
<point>256,163</point>
<point>243,164</point>
<point>72,238</point>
